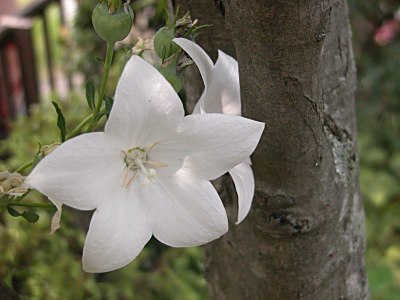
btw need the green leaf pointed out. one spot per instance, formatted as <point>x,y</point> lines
<point>100,59</point>
<point>108,102</point>
<point>90,94</point>
<point>60,121</point>
<point>30,216</point>
<point>13,212</point>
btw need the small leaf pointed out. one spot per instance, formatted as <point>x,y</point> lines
<point>108,102</point>
<point>13,212</point>
<point>90,93</point>
<point>60,121</point>
<point>99,59</point>
<point>30,216</point>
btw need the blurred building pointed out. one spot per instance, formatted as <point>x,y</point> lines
<point>19,78</point>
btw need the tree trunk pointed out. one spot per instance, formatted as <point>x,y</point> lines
<point>304,237</point>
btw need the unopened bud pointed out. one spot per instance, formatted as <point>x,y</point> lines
<point>11,184</point>
<point>4,175</point>
<point>114,25</point>
<point>17,191</point>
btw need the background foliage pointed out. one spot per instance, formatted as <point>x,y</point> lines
<point>376,42</point>
<point>40,266</point>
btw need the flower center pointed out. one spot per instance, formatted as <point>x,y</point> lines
<point>137,162</point>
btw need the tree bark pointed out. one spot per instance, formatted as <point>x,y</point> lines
<point>304,237</point>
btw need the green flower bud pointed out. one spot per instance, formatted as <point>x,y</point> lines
<point>170,74</point>
<point>112,27</point>
<point>163,44</point>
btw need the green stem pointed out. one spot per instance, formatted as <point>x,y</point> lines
<point>79,127</point>
<point>19,198</point>
<point>86,121</point>
<point>114,5</point>
<point>33,204</point>
<point>24,166</point>
<point>107,67</point>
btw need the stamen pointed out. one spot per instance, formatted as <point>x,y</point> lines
<point>136,161</point>
<point>156,164</point>
<point>132,179</point>
<point>151,147</point>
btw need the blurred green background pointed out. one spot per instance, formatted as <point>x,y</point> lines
<point>40,266</point>
<point>376,42</point>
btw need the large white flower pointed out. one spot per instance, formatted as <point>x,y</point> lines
<point>222,95</point>
<point>148,173</point>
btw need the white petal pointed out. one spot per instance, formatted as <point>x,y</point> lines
<point>212,143</point>
<point>56,219</point>
<point>199,56</point>
<point>223,93</point>
<point>222,88</point>
<point>82,173</point>
<point>185,211</point>
<point>117,234</point>
<point>243,179</point>
<point>146,107</point>
<point>206,68</point>
<point>226,75</point>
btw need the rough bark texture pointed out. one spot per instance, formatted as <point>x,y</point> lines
<point>304,237</point>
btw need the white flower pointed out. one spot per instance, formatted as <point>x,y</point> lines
<point>222,95</point>
<point>148,173</point>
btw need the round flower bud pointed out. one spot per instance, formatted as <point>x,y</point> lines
<point>163,44</point>
<point>112,27</point>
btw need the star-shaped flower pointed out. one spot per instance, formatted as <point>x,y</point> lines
<point>148,172</point>
<point>222,95</point>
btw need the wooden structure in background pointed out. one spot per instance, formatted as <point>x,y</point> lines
<point>18,71</point>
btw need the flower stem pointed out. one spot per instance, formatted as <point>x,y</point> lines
<point>19,198</point>
<point>107,67</point>
<point>79,127</point>
<point>82,124</point>
<point>24,166</point>
<point>33,204</point>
